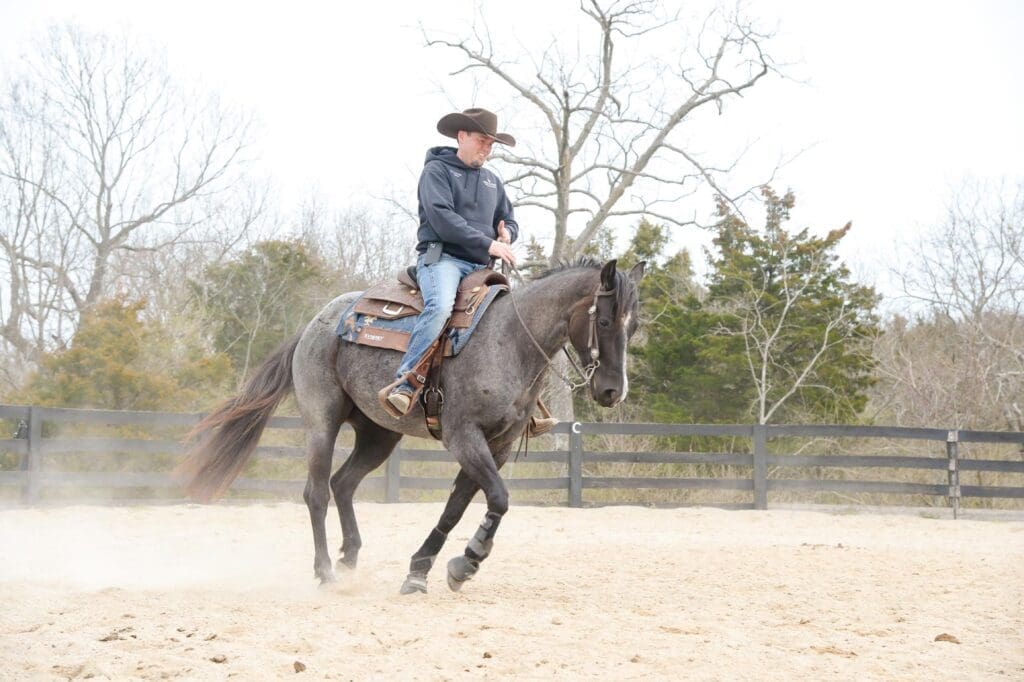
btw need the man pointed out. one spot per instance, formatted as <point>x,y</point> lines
<point>466,220</point>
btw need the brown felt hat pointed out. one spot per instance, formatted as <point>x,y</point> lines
<point>475,121</point>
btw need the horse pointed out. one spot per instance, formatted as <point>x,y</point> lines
<point>491,388</point>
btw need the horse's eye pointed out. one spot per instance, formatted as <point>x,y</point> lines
<point>605,322</point>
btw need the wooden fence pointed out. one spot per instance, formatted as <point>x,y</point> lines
<point>35,450</point>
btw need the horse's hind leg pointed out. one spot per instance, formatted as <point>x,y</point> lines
<point>374,444</point>
<point>324,408</point>
<point>321,433</point>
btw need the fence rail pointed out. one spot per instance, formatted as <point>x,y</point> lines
<point>35,452</point>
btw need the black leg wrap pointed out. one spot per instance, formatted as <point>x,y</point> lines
<point>422,561</point>
<point>480,544</point>
<point>462,568</point>
<point>424,557</point>
<point>478,550</point>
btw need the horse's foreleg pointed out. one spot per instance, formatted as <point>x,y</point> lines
<point>422,561</point>
<point>472,452</point>
<point>373,445</point>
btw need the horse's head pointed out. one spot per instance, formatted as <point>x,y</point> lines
<point>600,331</point>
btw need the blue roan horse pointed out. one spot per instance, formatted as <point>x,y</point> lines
<point>491,389</point>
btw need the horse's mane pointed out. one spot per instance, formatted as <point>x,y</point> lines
<point>625,293</point>
<point>580,262</point>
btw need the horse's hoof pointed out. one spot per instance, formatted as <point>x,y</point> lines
<point>346,564</point>
<point>414,584</point>
<point>326,579</point>
<point>460,569</point>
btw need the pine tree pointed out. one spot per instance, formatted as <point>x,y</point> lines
<point>782,331</point>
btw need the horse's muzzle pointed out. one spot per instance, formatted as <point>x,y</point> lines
<point>607,397</point>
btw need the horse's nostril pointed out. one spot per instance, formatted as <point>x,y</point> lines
<point>611,395</point>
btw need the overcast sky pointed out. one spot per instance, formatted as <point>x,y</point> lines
<point>898,101</point>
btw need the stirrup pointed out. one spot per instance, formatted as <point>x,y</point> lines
<point>540,425</point>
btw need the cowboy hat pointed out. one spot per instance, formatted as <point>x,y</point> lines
<point>476,121</point>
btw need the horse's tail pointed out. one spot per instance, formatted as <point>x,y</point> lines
<point>226,439</point>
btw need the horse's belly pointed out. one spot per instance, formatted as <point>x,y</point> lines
<point>362,372</point>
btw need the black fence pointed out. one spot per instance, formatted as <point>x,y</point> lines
<point>38,441</point>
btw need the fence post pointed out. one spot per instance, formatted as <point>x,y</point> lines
<point>32,464</point>
<point>953,452</point>
<point>575,466</point>
<point>760,466</point>
<point>393,476</point>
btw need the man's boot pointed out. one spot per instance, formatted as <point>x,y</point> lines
<point>541,425</point>
<point>400,397</point>
<point>397,398</point>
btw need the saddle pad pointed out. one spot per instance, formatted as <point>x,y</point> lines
<point>381,332</point>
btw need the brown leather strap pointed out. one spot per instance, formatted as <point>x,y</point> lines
<point>417,378</point>
<point>543,409</point>
<point>433,395</point>
<point>592,328</point>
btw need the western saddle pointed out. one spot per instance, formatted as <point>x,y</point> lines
<point>401,299</point>
<point>397,300</point>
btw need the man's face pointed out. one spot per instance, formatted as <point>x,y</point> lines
<point>474,148</point>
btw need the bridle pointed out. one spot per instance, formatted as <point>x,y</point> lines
<point>593,350</point>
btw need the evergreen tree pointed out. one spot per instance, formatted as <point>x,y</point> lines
<point>119,361</point>
<point>261,298</point>
<point>780,333</point>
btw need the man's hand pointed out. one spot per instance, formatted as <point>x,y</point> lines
<point>500,247</point>
<point>503,234</point>
<point>503,251</point>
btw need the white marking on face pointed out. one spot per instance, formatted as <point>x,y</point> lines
<point>625,342</point>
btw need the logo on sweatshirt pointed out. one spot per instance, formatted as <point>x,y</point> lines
<point>490,183</point>
<point>457,174</point>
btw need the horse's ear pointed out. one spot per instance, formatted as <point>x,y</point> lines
<point>637,271</point>
<point>608,275</point>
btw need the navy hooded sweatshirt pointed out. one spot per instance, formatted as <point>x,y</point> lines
<point>461,207</point>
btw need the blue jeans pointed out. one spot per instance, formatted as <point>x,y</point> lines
<point>439,283</point>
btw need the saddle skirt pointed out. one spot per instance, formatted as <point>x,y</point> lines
<point>384,316</point>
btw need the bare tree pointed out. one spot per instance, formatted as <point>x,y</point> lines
<point>962,363</point>
<point>34,249</point>
<point>116,154</point>
<point>232,221</point>
<point>611,128</point>
<point>360,246</point>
